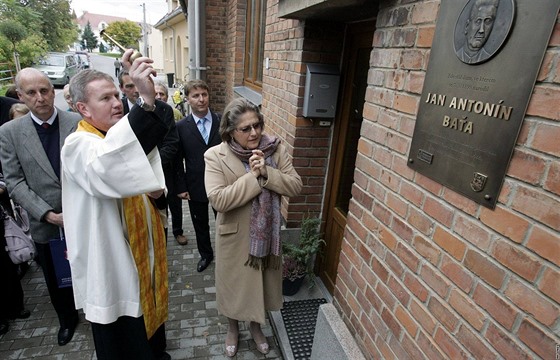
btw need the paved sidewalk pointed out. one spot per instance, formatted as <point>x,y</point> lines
<point>194,328</point>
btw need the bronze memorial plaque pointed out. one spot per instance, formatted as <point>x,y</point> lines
<point>485,58</point>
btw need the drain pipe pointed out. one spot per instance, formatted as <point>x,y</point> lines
<point>197,39</point>
<point>173,46</point>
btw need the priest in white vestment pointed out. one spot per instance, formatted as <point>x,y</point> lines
<point>112,187</point>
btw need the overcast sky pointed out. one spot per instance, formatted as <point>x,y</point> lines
<point>130,9</point>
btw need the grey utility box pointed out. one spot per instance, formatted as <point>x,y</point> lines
<point>321,91</point>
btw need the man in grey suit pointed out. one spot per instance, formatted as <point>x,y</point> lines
<point>30,157</point>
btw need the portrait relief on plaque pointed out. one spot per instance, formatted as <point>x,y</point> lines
<point>484,62</point>
<point>482,29</point>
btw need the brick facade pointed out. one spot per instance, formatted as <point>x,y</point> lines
<point>435,275</point>
<point>423,272</point>
<point>216,63</point>
<point>235,46</point>
<point>289,45</point>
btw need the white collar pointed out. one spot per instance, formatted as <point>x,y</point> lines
<point>50,120</point>
<point>130,105</point>
<point>207,116</point>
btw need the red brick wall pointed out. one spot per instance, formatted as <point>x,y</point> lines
<point>425,272</point>
<point>281,90</point>
<point>233,56</point>
<point>216,54</point>
<point>290,44</point>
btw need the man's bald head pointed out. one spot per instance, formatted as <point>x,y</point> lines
<point>30,73</point>
<point>35,89</point>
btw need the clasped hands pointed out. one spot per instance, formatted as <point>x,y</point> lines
<point>257,164</point>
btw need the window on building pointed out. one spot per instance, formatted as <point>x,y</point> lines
<point>254,43</point>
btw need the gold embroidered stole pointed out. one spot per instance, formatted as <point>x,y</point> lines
<point>153,290</point>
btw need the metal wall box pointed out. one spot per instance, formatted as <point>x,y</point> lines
<point>321,91</point>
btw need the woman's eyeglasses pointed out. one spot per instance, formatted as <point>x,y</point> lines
<point>247,129</point>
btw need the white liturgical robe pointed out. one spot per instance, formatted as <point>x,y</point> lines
<point>97,173</point>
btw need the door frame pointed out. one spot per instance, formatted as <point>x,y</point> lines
<point>357,35</point>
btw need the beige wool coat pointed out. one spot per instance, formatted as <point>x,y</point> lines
<point>242,292</point>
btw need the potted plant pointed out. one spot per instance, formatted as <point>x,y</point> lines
<point>297,257</point>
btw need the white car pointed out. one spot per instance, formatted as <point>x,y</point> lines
<point>59,67</point>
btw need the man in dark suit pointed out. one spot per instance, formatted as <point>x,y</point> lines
<point>30,157</point>
<point>174,202</point>
<point>197,133</point>
<point>169,146</point>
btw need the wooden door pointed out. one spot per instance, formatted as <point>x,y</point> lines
<point>347,125</point>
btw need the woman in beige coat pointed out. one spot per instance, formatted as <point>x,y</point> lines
<point>245,177</point>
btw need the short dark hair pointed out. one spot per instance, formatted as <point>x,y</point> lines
<point>232,113</point>
<point>120,77</point>
<point>12,92</point>
<point>195,84</point>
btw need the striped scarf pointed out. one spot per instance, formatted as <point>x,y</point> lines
<point>264,227</point>
<point>153,290</point>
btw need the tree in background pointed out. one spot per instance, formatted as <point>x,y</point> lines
<point>102,48</point>
<point>30,47</point>
<point>51,21</point>
<point>89,40</point>
<point>127,33</point>
<point>15,33</point>
<point>57,26</point>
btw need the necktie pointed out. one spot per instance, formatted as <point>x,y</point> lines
<point>202,128</point>
<point>45,125</point>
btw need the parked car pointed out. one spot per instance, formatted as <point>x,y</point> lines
<point>59,67</point>
<point>79,61</point>
<point>84,56</point>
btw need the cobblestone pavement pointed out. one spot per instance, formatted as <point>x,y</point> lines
<point>194,328</point>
